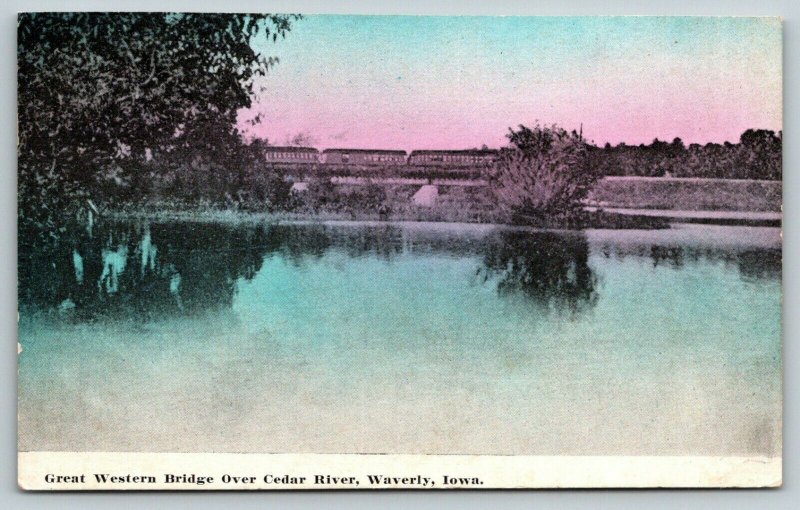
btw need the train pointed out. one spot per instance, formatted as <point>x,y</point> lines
<point>380,157</point>
<point>275,154</point>
<point>363,157</point>
<point>453,158</point>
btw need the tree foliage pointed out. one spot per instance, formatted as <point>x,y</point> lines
<point>543,175</point>
<point>323,196</point>
<point>757,156</point>
<point>97,91</point>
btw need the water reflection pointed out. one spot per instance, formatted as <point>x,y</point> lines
<point>140,270</point>
<point>753,263</point>
<point>550,269</point>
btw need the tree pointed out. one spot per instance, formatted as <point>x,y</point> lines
<point>301,140</point>
<point>543,176</point>
<point>98,89</point>
<point>760,155</point>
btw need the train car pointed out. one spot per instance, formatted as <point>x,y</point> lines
<point>291,155</point>
<point>453,158</point>
<point>363,157</point>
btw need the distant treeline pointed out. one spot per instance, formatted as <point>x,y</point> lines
<point>756,156</point>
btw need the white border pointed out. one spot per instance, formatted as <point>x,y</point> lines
<point>484,471</point>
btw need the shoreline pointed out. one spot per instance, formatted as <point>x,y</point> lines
<point>597,218</point>
<point>593,219</point>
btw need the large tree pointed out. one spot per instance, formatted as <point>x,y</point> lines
<point>97,90</point>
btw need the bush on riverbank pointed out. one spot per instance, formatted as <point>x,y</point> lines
<point>542,178</point>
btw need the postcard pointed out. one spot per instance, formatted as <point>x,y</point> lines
<point>296,251</point>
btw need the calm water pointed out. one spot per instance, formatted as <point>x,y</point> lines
<point>402,339</point>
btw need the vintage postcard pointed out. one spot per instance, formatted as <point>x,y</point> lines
<point>283,251</point>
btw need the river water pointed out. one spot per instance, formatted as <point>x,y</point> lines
<point>401,338</point>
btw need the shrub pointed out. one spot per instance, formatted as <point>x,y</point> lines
<point>322,196</point>
<point>543,176</point>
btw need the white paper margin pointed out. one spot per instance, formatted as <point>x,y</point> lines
<point>493,472</point>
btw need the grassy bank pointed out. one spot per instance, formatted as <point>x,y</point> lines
<point>597,219</point>
<point>455,205</point>
<point>688,194</point>
<point>391,202</point>
<point>460,204</point>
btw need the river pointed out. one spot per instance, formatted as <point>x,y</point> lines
<point>401,338</point>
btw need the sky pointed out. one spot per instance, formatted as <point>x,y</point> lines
<point>414,82</point>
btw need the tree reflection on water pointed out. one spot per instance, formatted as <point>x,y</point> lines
<point>754,263</point>
<point>142,271</point>
<point>550,269</point>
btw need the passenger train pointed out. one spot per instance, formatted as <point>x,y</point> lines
<point>369,157</point>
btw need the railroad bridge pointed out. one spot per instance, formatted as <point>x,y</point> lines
<point>428,169</point>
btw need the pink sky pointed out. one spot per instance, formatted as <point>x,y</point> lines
<point>451,83</point>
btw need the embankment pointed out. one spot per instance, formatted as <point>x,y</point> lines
<point>615,202</point>
<point>688,194</point>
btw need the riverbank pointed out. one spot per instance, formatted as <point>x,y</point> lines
<point>596,219</point>
<point>615,203</point>
<point>687,194</point>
